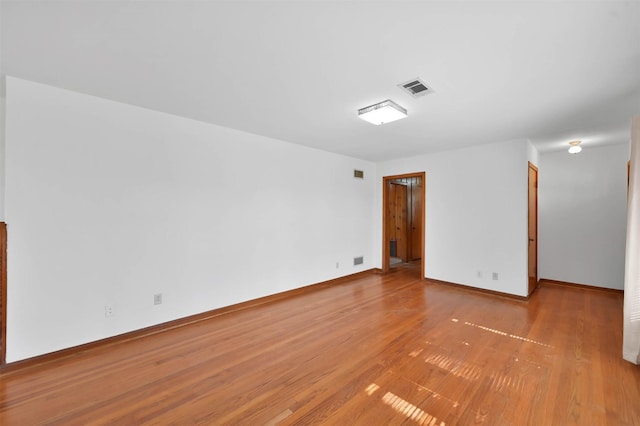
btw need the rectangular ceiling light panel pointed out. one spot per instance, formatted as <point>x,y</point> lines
<point>382,112</point>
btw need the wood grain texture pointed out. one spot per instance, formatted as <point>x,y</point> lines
<point>399,220</point>
<point>415,218</point>
<point>375,349</point>
<point>387,214</point>
<point>532,217</point>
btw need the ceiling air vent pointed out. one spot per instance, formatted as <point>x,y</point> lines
<point>416,87</point>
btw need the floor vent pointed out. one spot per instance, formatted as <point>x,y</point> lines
<point>358,260</point>
<point>416,87</point>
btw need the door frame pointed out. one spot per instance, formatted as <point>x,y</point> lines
<point>531,288</point>
<point>3,293</point>
<point>386,181</point>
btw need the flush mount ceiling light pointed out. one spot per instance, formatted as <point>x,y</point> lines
<point>382,112</point>
<point>575,147</point>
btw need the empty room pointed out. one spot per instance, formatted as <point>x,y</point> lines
<point>319,212</point>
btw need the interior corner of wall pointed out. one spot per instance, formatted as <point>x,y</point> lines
<point>533,155</point>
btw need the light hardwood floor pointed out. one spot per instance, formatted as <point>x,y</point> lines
<point>377,350</point>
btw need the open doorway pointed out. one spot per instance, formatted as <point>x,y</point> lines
<point>403,220</point>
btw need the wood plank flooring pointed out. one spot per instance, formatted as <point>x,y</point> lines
<point>377,350</point>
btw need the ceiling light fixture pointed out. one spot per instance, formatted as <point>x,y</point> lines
<point>575,147</point>
<point>382,112</point>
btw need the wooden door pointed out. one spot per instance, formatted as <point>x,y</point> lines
<point>415,251</point>
<point>533,227</point>
<point>391,216</point>
<point>398,216</point>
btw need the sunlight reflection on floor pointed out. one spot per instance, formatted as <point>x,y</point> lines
<point>503,333</point>
<point>409,410</point>
<point>455,367</point>
<point>405,408</point>
<point>497,381</point>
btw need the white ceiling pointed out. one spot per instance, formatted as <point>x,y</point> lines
<point>547,71</point>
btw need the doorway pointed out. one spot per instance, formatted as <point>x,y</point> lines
<point>403,220</point>
<point>533,228</point>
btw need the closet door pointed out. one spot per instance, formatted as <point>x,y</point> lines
<point>416,220</point>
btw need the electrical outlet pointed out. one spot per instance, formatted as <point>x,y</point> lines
<point>337,265</point>
<point>479,274</point>
<point>495,276</point>
<point>109,311</point>
<point>157,299</point>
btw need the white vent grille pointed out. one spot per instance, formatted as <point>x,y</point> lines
<point>416,87</point>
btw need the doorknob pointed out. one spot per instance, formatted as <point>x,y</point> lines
<point>531,239</point>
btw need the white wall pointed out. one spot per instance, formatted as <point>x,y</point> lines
<point>582,216</point>
<point>2,118</point>
<point>2,145</point>
<point>108,203</point>
<point>533,155</point>
<point>476,214</point>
